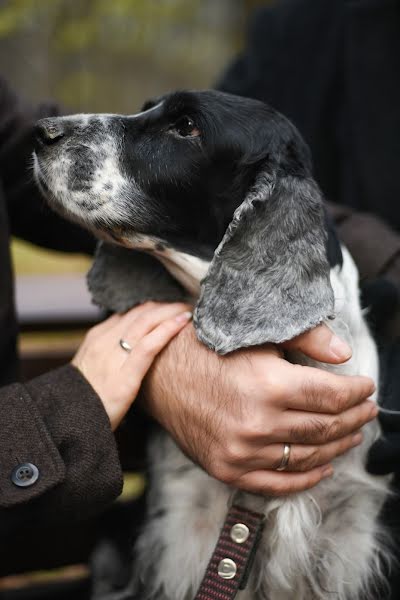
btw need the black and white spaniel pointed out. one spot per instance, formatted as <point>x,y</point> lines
<point>210,196</point>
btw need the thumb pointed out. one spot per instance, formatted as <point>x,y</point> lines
<point>321,344</point>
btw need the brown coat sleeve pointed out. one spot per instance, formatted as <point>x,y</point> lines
<point>374,245</point>
<point>57,423</point>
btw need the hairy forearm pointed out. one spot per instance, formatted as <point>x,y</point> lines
<point>231,414</point>
<point>183,369</point>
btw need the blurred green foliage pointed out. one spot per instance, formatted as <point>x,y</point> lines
<point>110,55</point>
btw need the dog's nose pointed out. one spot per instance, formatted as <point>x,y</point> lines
<point>49,131</point>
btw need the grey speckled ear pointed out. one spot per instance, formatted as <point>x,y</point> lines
<point>121,278</point>
<point>270,277</point>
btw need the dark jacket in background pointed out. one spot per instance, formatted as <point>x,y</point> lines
<point>56,422</point>
<point>333,68</point>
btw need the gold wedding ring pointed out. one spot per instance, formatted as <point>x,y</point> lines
<point>285,458</point>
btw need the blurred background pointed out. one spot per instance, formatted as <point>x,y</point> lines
<point>101,55</point>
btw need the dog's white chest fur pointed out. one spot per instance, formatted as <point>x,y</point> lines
<point>189,270</point>
<point>315,543</point>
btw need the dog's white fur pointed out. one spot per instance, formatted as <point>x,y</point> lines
<point>189,270</point>
<point>323,543</point>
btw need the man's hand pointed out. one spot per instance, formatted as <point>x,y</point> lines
<point>232,414</point>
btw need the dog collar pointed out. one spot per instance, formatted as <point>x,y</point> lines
<point>231,562</point>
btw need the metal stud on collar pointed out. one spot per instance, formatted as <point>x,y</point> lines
<point>231,562</point>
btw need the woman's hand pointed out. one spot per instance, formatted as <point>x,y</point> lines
<point>116,374</point>
<point>233,414</point>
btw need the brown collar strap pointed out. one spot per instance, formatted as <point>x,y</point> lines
<point>232,559</point>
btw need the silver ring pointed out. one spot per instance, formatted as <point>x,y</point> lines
<point>285,458</point>
<point>125,346</point>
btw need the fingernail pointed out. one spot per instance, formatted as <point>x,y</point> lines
<point>356,439</point>
<point>327,472</point>
<point>185,316</point>
<point>339,348</point>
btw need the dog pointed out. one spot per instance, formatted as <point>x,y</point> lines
<point>217,195</point>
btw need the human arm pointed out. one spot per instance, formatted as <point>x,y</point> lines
<point>62,422</point>
<point>232,414</point>
<point>28,215</point>
<point>373,243</point>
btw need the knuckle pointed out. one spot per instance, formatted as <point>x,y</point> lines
<point>334,429</point>
<point>255,429</point>
<point>277,389</point>
<point>300,433</point>
<point>313,395</point>
<point>309,460</point>
<point>223,472</point>
<point>163,329</point>
<point>146,321</point>
<point>147,347</point>
<point>339,399</point>
<point>234,453</point>
<point>310,431</point>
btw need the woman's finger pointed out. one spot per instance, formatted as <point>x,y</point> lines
<point>134,326</point>
<point>302,428</point>
<point>146,349</point>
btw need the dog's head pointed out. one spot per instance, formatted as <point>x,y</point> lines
<point>220,177</point>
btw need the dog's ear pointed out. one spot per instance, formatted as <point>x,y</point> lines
<point>150,102</point>
<point>269,280</point>
<point>120,279</point>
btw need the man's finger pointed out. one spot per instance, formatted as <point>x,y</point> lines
<point>303,428</point>
<point>319,391</point>
<point>275,483</point>
<point>321,344</point>
<point>302,457</point>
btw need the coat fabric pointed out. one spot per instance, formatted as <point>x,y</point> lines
<point>56,421</point>
<point>333,69</point>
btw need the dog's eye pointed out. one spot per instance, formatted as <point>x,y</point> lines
<point>185,127</point>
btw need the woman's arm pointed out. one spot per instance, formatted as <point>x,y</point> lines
<point>57,449</point>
